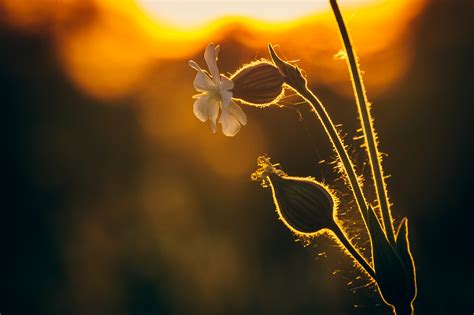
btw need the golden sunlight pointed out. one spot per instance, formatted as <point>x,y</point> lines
<point>124,43</point>
<point>195,13</point>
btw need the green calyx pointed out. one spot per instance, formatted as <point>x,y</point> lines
<point>394,270</point>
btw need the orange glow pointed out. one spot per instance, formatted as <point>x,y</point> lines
<point>189,14</point>
<point>114,50</point>
<point>110,48</point>
<point>142,193</point>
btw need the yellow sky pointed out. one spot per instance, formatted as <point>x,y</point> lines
<point>193,13</point>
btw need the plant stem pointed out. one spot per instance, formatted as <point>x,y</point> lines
<point>298,83</point>
<point>351,249</point>
<point>406,310</point>
<point>338,145</point>
<point>367,125</point>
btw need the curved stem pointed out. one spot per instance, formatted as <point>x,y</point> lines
<point>351,249</point>
<point>339,147</point>
<point>367,125</point>
<point>297,82</point>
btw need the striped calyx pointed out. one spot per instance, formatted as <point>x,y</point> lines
<point>304,205</point>
<point>258,84</point>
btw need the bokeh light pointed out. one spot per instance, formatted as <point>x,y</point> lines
<point>127,204</point>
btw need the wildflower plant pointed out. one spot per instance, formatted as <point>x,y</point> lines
<point>306,206</point>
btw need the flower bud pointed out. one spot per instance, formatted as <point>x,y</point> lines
<point>304,205</point>
<point>259,84</point>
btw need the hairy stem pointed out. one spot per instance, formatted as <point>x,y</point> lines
<point>352,250</point>
<point>297,82</point>
<point>339,147</point>
<point>367,125</point>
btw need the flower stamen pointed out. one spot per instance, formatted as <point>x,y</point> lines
<point>265,169</point>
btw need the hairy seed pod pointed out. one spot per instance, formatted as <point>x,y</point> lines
<point>303,204</point>
<point>258,84</point>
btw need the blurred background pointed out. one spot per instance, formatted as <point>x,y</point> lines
<point>119,201</point>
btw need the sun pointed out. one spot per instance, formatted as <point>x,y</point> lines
<point>196,13</point>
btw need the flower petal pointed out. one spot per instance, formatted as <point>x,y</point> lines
<point>206,107</point>
<point>193,64</point>
<point>202,82</point>
<point>211,55</point>
<point>230,124</point>
<point>226,97</point>
<point>201,107</point>
<point>213,108</point>
<point>236,111</point>
<point>226,83</point>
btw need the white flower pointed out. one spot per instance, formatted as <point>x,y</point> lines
<point>215,92</point>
